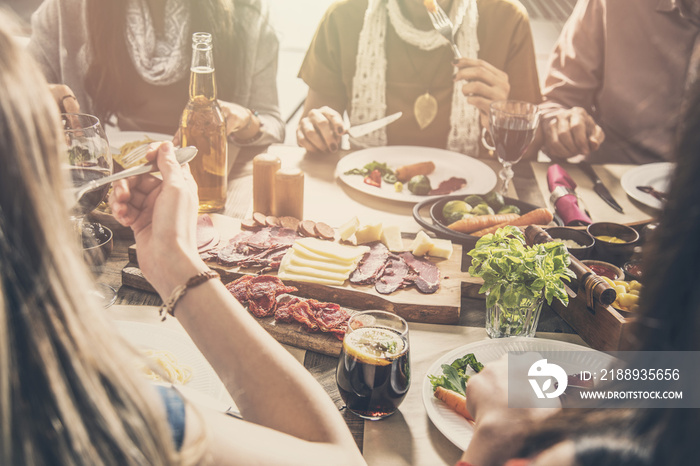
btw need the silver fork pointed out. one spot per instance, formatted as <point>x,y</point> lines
<point>134,155</point>
<point>443,25</point>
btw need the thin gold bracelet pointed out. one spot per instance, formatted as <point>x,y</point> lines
<point>168,306</point>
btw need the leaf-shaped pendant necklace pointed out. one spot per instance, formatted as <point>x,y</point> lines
<point>425,107</point>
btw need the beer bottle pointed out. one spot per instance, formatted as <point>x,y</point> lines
<point>203,125</point>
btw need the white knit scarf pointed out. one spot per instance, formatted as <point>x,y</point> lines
<point>159,60</point>
<point>369,83</point>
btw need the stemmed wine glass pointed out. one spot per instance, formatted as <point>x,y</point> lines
<point>512,125</point>
<point>88,158</point>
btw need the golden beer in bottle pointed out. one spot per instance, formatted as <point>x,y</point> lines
<point>203,125</point>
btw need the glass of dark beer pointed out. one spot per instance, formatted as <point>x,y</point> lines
<point>374,369</point>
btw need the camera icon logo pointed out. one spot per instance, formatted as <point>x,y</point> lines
<point>541,374</point>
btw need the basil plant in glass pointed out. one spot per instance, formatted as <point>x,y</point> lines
<point>517,280</point>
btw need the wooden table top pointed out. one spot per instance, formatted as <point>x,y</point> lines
<point>325,197</point>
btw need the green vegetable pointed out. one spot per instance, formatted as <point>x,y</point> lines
<point>455,375</point>
<point>514,272</point>
<point>482,209</point>
<point>495,200</point>
<point>419,185</point>
<point>509,209</point>
<point>474,200</point>
<point>453,211</point>
<point>370,167</point>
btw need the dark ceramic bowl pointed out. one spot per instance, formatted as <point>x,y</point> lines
<point>605,250</point>
<point>579,236</point>
<point>633,270</point>
<point>438,225</point>
<point>97,245</point>
<point>600,267</point>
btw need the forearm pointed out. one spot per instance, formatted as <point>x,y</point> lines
<point>268,384</point>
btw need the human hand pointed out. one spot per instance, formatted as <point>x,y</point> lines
<point>238,118</point>
<point>320,130</point>
<point>571,132</point>
<point>163,217</point>
<point>484,83</point>
<point>499,429</point>
<point>65,98</point>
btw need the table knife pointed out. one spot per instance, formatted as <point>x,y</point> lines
<point>366,128</point>
<point>599,187</point>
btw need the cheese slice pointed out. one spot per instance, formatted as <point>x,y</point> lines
<point>325,265</point>
<point>303,278</point>
<point>441,248</point>
<point>422,244</point>
<point>333,250</point>
<point>391,237</point>
<point>349,228</point>
<point>369,233</point>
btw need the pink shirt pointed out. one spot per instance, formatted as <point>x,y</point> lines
<point>626,62</point>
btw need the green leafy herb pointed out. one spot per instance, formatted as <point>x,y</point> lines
<point>454,376</point>
<point>514,273</point>
<point>387,173</point>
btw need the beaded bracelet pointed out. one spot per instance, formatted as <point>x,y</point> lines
<point>168,306</point>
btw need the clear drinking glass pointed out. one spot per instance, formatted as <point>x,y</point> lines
<point>88,158</point>
<point>512,125</point>
<point>513,321</point>
<point>374,369</point>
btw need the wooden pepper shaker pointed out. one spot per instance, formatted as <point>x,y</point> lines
<point>264,168</point>
<point>289,193</point>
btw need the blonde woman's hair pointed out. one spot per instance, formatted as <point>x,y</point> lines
<point>70,391</point>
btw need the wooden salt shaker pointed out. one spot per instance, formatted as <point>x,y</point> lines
<point>289,193</point>
<point>264,168</point>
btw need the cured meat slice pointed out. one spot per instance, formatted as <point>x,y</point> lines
<point>206,233</point>
<point>327,315</point>
<point>236,249</point>
<point>284,311</point>
<point>394,277</point>
<point>371,265</point>
<point>427,278</point>
<point>259,292</point>
<point>239,288</point>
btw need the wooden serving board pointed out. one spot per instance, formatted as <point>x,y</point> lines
<point>441,307</point>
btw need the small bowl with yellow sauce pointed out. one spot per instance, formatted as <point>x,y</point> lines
<point>614,242</point>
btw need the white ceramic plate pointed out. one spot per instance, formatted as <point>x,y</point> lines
<point>455,427</point>
<point>118,138</point>
<point>156,337</point>
<point>656,175</point>
<point>480,177</point>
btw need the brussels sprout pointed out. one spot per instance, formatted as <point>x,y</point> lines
<point>473,200</point>
<point>419,185</point>
<point>482,209</point>
<point>509,209</point>
<point>495,200</point>
<point>455,210</point>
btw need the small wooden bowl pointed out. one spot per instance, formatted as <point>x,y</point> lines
<point>616,253</point>
<point>579,236</point>
<point>616,271</point>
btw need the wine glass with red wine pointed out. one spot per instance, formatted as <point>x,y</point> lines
<point>512,125</point>
<point>88,158</point>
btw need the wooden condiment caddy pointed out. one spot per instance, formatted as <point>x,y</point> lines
<point>589,311</point>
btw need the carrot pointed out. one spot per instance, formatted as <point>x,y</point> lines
<point>407,172</point>
<point>479,222</point>
<point>456,401</point>
<point>534,217</point>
